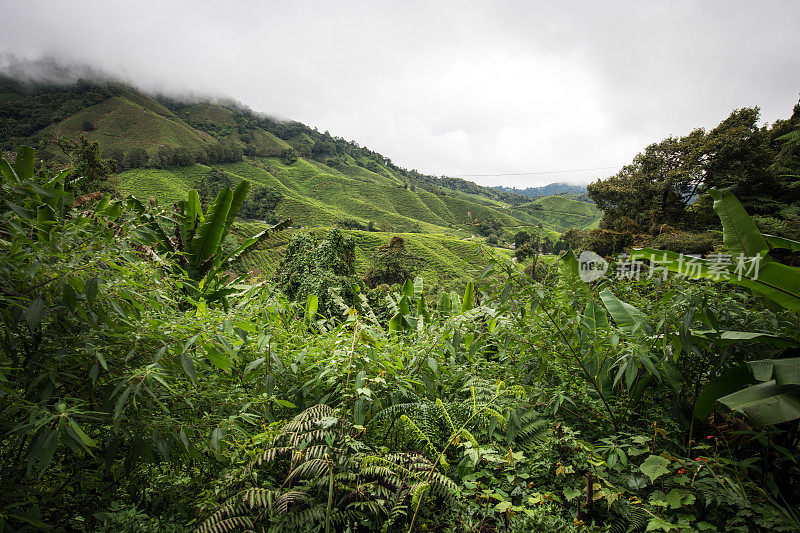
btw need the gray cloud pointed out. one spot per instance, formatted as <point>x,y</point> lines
<point>446,87</point>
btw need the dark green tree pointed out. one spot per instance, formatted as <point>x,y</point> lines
<point>521,238</point>
<point>136,158</point>
<point>392,263</point>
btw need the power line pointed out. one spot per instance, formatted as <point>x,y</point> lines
<point>534,173</point>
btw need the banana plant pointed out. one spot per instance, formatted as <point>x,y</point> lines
<point>776,398</point>
<point>197,240</point>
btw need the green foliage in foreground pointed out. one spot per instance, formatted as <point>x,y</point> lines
<point>513,405</point>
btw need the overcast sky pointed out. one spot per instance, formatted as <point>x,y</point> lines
<point>455,88</point>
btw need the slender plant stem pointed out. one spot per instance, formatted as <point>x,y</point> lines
<point>583,367</point>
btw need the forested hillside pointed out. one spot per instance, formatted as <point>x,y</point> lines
<point>546,190</point>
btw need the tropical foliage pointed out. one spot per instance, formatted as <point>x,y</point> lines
<point>143,388</point>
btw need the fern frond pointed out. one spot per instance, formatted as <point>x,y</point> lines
<point>296,497</point>
<point>310,469</point>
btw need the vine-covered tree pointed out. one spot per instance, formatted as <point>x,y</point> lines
<point>325,268</point>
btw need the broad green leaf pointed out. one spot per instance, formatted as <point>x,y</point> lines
<point>70,298</point>
<point>188,366</point>
<point>45,220</point>
<point>238,198</point>
<point>469,297</point>
<point>678,497</point>
<point>782,242</point>
<point>433,365</point>
<point>654,467</point>
<point>218,358</point>
<point>739,232</point>
<point>780,283</point>
<point>216,437</point>
<point>34,313</point>
<point>626,316</point>
<point>571,263</point>
<point>87,441</point>
<point>444,304</point>
<point>660,524</point>
<point>91,290</point>
<point>726,338</point>
<point>285,403</point>
<point>120,405</point>
<point>418,286</point>
<point>502,507</point>
<point>422,309</point>
<point>8,172</point>
<point>408,288</point>
<point>783,371</point>
<point>191,209</point>
<point>23,212</point>
<point>312,304</point>
<point>455,303</point>
<point>209,235</point>
<point>23,165</point>
<point>731,380</point>
<point>594,317</point>
<point>395,323</point>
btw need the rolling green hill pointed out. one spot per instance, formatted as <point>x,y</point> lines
<point>314,178</point>
<point>560,213</point>
<point>119,122</point>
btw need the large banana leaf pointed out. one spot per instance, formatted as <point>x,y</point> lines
<point>8,173</point>
<point>23,165</point>
<point>400,319</point>
<point>731,380</point>
<point>725,338</point>
<point>780,283</point>
<point>469,297</point>
<point>766,403</point>
<point>739,232</point>
<point>239,196</point>
<point>191,209</point>
<point>209,235</point>
<point>782,242</point>
<point>783,371</point>
<point>45,220</point>
<point>774,401</point>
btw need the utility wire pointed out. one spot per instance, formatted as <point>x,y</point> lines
<point>534,173</point>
